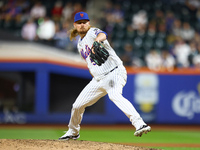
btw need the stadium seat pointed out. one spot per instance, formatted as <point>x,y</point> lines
<point>148,43</point>
<point>117,44</point>
<point>159,43</point>
<point>137,42</point>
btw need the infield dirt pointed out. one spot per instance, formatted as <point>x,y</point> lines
<point>22,144</point>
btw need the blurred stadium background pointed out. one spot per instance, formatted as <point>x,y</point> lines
<point>41,73</point>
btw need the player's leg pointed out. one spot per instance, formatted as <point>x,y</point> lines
<point>88,96</point>
<point>116,81</point>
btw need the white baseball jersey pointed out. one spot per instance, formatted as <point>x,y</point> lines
<point>84,48</point>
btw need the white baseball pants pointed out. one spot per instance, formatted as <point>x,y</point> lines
<point>112,85</point>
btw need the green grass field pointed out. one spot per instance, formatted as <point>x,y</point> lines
<point>112,136</point>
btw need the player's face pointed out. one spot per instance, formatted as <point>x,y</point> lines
<point>82,26</point>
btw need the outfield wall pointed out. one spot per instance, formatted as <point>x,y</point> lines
<point>160,97</point>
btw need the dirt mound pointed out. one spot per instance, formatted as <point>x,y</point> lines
<point>20,144</point>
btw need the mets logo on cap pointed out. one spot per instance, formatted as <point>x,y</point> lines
<point>81,16</point>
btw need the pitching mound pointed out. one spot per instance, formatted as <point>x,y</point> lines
<point>20,144</point>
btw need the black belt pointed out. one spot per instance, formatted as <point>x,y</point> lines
<point>111,70</point>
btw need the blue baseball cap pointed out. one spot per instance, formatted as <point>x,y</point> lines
<point>81,16</point>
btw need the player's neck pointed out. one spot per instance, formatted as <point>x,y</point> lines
<point>82,35</point>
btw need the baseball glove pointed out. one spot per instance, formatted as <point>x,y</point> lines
<point>100,54</point>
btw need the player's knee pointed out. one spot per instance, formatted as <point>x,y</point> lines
<point>76,106</point>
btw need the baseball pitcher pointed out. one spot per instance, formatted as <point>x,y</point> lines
<point>109,77</point>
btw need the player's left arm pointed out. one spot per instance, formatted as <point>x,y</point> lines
<point>101,37</point>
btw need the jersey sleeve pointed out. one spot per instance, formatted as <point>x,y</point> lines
<point>96,31</point>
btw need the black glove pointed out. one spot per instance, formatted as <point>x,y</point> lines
<point>100,54</point>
